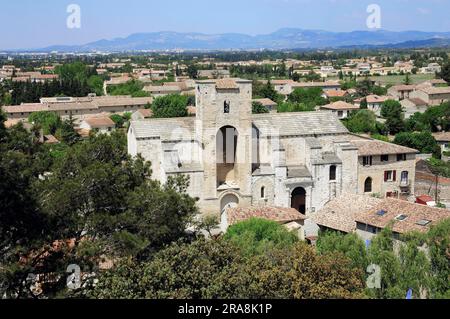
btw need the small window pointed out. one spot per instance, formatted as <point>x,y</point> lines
<point>401,217</point>
<point>401,157</point>
<point>332,173</point>
<point>385,158</point>
<point>390,176</point>
<point>368,185</point>
<point>263,192</point>
<point>226,107</point>
<point>340,113</point>
<point>423,222</point>
<point>367,160</point>
<point>381,212</point>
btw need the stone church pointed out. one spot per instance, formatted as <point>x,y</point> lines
<point>236,158</point>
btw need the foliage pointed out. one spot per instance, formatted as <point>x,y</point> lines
<point>132,87</point>
<point>445,72</point>
<point>362,121</point>
<point>348,244</point>
<point>48,121</point>
<point>172,105</point>
<point>256,236</point>
<point>392,111</point>
<point>294,107</point>
<point>266,90</point>
<point>258,108</point>
<point>311,97</point>
<point>435,119</point>
<point>216,270</point>
<point>424,142</point>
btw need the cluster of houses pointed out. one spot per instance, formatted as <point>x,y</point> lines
<point>10,72</point>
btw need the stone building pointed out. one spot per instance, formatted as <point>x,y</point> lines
<point>236,158</point>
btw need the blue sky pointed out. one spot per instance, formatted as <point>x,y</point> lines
<point>35,24</point>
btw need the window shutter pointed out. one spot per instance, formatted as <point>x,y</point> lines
<point>385,176</point>
<point>395,176</point>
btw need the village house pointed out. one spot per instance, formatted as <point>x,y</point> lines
<point>162,90</point>
<point>401,215</point>
<point>268,103</point>
<point>432,95</point>
<point>413,105</point>
<point>375,102</point>
<point>214,74</point>
<point>103,125</point>
<point>340,108</point>
<point>401,92</point>
<point>385,169</point>
<point>367,216</point>
<point>78,107</point>
<point>234,158</point>
<point>443,139</point>
<point>142,114</point>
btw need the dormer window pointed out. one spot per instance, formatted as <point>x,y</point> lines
<point>226,107</point>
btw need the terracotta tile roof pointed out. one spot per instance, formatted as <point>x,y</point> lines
<point>442,136</point>
<point>368,147</point>
<point>336,93</point>
<point>265,102</point>
<point>393,208</point>
<point>50,139</point>
<point>403,87</point>
<point>436,90</point>
<point>340,105</point>
<point>341,212</point>
<point>146,113</point>
<point>376,99</point>
<point>417,101</point>
<point>277,214</point>
<point>225,84</point>
<point>98,122</point>
<point>316,84</point>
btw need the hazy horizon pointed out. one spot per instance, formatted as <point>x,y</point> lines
<point>38,24</point>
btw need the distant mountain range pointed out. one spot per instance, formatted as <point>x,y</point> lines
<point>287,38</point>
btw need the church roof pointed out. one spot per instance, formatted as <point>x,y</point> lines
<point>298,124</point>
<point>181,128</point>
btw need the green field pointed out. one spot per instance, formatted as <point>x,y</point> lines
<point>398,79</point>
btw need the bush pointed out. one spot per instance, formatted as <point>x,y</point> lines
<point>256,236</point>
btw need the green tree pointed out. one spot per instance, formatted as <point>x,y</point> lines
<point>255,236</point>
<point>424,142</point>
<point>173,105</point>
<point>392,111</point>
<point>258,108</point>
<point>48,121</point>
<point>217,270</point>
<point>362,121</point>
<point>349,244</point>
<point>445,72</point>
<point>438,240</point>
<point>192,71</point>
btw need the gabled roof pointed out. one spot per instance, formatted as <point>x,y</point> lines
<point>414,213</point>
<point>170,129</point>
<point>276,214</point>
<point>298,124</point>
<point>99,122</point>
<point>367,147</point>
<point>340,105</point>
<point>341,212</point>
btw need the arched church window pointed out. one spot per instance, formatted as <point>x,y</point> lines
<point>226,107</point>
<point>263,192</point>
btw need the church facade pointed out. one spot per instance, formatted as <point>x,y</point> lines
<point>236,158</point>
